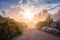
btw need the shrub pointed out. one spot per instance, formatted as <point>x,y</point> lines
<point>40,25</point>
<point>9,28</point>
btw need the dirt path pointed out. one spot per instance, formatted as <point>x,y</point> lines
<point>33,34</point>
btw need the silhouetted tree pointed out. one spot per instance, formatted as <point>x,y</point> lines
<point>4,13</point>
<point>48,20</point>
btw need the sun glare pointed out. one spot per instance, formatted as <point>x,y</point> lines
<point>28,14</point>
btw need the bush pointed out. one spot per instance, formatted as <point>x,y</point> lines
<point>40,25</point>
<point>9,28</point>
<point>47,22</point>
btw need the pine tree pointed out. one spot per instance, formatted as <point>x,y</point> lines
<point>48,20</point>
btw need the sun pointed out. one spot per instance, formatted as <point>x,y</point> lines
<point>28,14</point>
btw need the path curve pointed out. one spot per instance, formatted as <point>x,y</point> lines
<point>33,34</point>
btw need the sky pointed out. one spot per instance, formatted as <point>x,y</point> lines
<point>50,5</point>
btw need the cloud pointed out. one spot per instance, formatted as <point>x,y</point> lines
<point>52,8</point>
<point>8,3</point>
<point>51,1</point>
<point>13,11</point>
<point>37,3</point>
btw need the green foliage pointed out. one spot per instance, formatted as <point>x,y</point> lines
<point>47,22</point>
<point>40,25</point>
<point>9,28</point>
